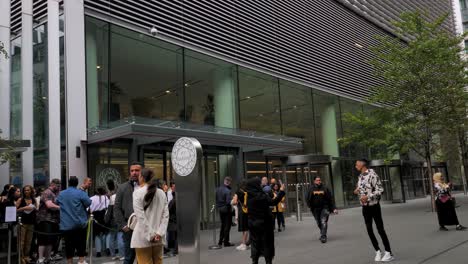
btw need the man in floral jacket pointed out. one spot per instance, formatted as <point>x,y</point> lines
<point>369,189</point>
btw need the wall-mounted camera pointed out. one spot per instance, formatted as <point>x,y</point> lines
<point>154,31</point>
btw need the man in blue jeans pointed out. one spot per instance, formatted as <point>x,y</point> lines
<point>123,208</point>
<point>74,219</point>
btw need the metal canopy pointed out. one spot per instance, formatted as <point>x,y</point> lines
<point>14,145</point>
<point>147,131</point>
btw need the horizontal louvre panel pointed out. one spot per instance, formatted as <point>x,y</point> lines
<point>315,42</point>
<point>39,13</point>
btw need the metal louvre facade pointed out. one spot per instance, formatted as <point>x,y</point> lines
<point>320,43</point>
<point>39,13</point>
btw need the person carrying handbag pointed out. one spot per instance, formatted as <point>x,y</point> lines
<point>445,206</point>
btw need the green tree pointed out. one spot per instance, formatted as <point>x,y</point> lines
<point>3,51</point>
<point>423,92</point>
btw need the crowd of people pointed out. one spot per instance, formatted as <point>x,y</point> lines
<point>51,217</point>
<point>138,220</point>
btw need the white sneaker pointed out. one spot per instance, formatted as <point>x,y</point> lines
<point>378,256</point>
<point>387,257</point>
<point>40,260</point>
<point>122,258</point>
<point>241,247</point>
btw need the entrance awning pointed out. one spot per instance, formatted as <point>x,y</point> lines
<point>147,131</point>
<point>14,145</point>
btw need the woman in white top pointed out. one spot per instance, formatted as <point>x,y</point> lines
<point>150,207</point>
<point>99,204</point>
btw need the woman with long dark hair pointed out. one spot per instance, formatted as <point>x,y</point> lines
<point>150,207</point>
<point>26,208</point>
<point>99,204</point>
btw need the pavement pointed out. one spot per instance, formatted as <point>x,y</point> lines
<point>412,229</point>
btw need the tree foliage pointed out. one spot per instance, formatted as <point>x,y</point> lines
<point>423,90</point>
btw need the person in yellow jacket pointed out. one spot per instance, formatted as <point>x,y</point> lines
<point>278,210</point>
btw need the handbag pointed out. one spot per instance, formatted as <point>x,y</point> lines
<point>132,221</point>
<point>444,198</point>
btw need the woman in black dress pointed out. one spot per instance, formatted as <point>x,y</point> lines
<point>260,222</point>
<point>444,204</point>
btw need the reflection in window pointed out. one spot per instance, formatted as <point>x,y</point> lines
<point>40,107</point>
<point>355,149</point>
<point>327,123</point>
<point>146,77</point>
<point>15,90</point>
<point>210,90</point>
<point>297,113</point>
<point>108,161</point>
<point>259,102</point>
<point>97,71</point>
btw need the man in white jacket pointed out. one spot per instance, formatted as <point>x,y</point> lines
<point>150,207</point>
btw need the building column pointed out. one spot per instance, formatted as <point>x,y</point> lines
<point>5,84</point>
<point>330,147</point>
<point>53,67</point>
<point>225,98</point>
<point>27,89</point>
<point>75,88</point>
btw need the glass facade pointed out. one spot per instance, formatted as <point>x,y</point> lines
<point>297,114</point>
<point>210,90</point>
<point>130,74</point>
<point>15,89</point>
<point>40,107</point>
<point>259,102</point>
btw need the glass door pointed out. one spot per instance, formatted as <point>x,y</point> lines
<point>210,181</point>
<point>155,161</point>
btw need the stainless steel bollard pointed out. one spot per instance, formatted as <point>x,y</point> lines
<point>213,213</point>
<point>18,235</point>
<point>299,212</point>
<point>91,217</point>
<point>9,244</point>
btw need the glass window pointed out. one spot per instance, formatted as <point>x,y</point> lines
<point>259,102</point>
<point>15,89</point>
<point>355,149</point>
<point>297,113</point>
<point>327,123</point>
<point>40,107</point>
<point>97,71</point>
<point>210,90</point>
<point>146,77</point>
<point>108,161</point>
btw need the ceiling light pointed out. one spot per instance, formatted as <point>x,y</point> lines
<point>248,97</point>
<point>44,98</point>
<point>358,45</point>
<point>168,91</point>
<point>186,85</point>
<point>98,67</point>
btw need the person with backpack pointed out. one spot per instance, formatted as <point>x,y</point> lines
<point>99,204</point>
<point>240,202</point>
<point>369,189</point>
<point>114,236</point>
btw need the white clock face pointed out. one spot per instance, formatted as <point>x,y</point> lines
<point>184,156</point>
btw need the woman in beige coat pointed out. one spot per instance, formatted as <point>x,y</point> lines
<point>150,207</point>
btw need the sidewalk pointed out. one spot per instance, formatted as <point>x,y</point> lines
<point>411,227</point>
